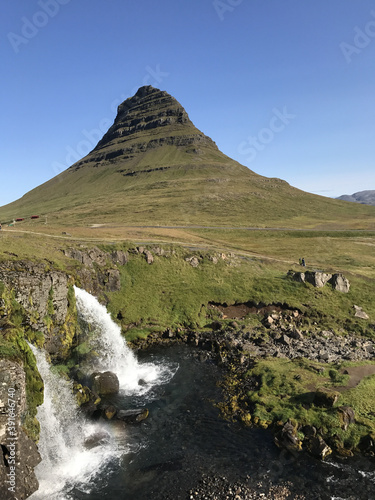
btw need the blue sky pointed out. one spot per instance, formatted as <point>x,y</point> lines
<point>284,87</point>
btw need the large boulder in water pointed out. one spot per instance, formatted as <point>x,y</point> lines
<point>105,383</point>
<point>132,416</point>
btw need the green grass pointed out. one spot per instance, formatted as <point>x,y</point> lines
<point>170,292</point>
<point>286,391</point>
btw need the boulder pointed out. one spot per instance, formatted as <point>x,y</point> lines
<point>149,257</point>
<point>317,278</point>
<point>318,447</point>
<point>97,439</point>
<point>340,283</point>
<point>360,313</point>
<point>326,398</point>
<point>193,261</point>
<point>132,416</point>
<point>105,383</point>
<point>288,438</point>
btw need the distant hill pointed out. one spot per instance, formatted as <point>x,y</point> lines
<point>154,167</point>
<point>364,197</point>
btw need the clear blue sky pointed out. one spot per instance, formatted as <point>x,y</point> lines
<point>284,87</point>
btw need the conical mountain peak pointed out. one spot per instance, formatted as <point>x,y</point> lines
<point>150,115</point>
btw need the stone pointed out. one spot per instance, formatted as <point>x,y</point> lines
<point>347,416</point>
<point>149,257</point>
<point>317,278</point>
<point>318,447</point>
<point>120,257</point>
<point>360,313</point>
<point>193,261</point>
<point>326,398</point>
<point>287,438</point>
<point>24,453</point>
<point>97,439</point>
<point>340,283</point>
<point>113,280</point>
<point>132,416</point>
<point>105,383</point>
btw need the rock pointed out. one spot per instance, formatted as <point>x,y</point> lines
<point>193,261</point>
<point>326,398</point>
<point>42,294</point>
<point>18,453</point>
<point>287,438</point>
<point>296,334</point>
<point>105,383</point>
<point>296,276</point>
<point>340,283</point>
<point>132,416</point>
<point>120,257</point>
<point>360,313</point>
<point>109,412</point>
<point>347,416</point>
<point>113,280</point>
<point>367,445</point>
<point>318,447</point>
<point>149,257</point>
<point>98,439</point>
<point>269,321</point>
<point>317,278</point>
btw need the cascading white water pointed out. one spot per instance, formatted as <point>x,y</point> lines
<point>112,353</point>
<point>66,463</point>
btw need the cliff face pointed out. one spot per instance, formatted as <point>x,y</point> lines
<point>44,296</point>
<point>18,454</point>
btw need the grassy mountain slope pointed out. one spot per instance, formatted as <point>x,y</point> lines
<point>154,167</point>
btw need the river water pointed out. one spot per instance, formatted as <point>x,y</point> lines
<point>184,439</point>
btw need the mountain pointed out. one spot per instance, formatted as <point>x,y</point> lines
<point>365,197</point>
<point>154,167</point>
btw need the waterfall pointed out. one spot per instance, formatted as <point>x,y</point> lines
<point>112,352</point>
<point>66,463</point>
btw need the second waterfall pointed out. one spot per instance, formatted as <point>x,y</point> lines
<point>111,351</point>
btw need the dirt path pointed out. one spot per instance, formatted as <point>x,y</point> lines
<point>357,373</point>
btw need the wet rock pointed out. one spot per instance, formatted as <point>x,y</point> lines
<point>288,438</point>
<point>318,447</point>
<point>98,439</point>
<point>132,416</point>
<point>105,383</point>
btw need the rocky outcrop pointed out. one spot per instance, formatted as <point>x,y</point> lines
<point>47,301</point>
<point>18,453</point>
<point>98,272</point>
<point>147,110</point>
<point>320,279</point>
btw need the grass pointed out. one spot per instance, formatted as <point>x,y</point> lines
<point>287,389</point>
